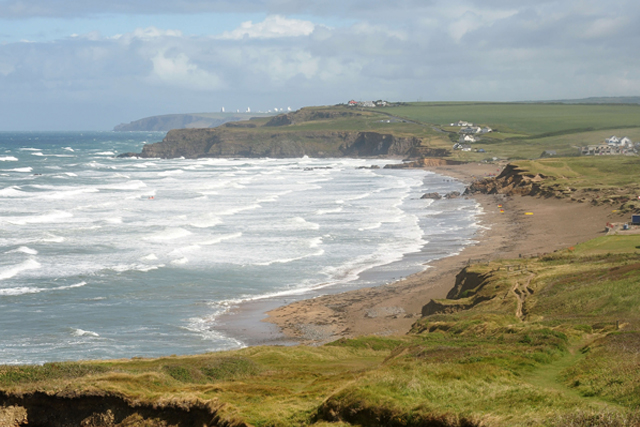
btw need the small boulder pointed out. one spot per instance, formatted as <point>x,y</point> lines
<point>434,196</point>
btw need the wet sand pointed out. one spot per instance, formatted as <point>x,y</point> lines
<point>391,309</point>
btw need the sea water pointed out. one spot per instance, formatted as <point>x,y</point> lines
<point>104,257</point>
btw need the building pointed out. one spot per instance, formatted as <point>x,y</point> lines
<point>470,130</point>
<point>604,150</point>
<point>467,138</point>
<point>612,140</point>
<point>548,153</point>
<point>462,123</point>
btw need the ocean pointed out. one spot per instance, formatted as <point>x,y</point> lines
<point>108,258</point>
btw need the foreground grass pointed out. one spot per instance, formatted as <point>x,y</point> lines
<point>547,341</point>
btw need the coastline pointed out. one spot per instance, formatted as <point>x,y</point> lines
<point>391,309</point>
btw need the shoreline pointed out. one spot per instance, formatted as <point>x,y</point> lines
<point>392,308</point>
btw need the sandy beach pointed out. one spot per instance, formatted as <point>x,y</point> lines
<point>391,309</point>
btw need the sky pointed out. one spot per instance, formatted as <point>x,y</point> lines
<point>90,65</point>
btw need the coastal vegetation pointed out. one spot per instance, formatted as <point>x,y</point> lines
<point>520,131</point>
<point>551,340</point>
<point>603,180</point>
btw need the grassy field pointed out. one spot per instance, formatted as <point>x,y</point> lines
<point>550,341</point>
<point>522,130</point>
<point>527,119</point>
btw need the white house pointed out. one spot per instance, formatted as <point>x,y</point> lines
<point>612,140</point>
<point>486,129</point>
<point>626,142</point>
<point>467,138</point>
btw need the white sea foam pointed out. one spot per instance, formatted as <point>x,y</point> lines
<point>171,233</point>
<point>219,239</point>
<point>289,260</point>
<point>150,257</point>
<point>129,185</point>
<point>68,149</point>
<point>21,170</point>
<point>328,211</point>
<point>361,196</point>
<point>299,223</point>
<point>8,159</point>
<point>8,273</point>
<point>70,174</point>
<point>52,239</point>
<point>30,149</point>
<point>185,249</point>
<point>12,192</point>
<point>23,249</point>
<point>315,242</point>
<point>234,211</point>
<point>180,261</point>
<point>82,333</point>
<point>37,153</point>
<point>50,217</point>
<point>69,193</point>
<point>206,222</point>
<point>171,172</point>
<point>371,227</point>
<point>106,153</point>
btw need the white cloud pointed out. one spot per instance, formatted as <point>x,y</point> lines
<point>180,71</point>
<point>274,26</point>
<point>147,34</point>
<point>605,27</point>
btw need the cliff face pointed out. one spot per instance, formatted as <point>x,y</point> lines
<point>198,143</point>
<point>511,181</point>
<point>306,132</point>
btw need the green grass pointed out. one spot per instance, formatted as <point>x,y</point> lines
<point>528,119</point>
<point>569,358</point>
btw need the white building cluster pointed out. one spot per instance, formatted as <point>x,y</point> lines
<point>612,146</point>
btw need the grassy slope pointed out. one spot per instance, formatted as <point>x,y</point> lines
<point>544,349</point>
<point>524,131</point>
<point>609,180</point>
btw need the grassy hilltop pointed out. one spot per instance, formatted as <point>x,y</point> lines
<point>551,341</point>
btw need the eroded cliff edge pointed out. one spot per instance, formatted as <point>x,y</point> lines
<point>303,133</point>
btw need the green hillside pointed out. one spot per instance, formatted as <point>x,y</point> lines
<point>550,341</point>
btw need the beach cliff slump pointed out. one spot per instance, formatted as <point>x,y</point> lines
<point>102,409</point>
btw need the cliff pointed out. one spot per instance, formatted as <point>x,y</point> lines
<point>198,143</point>
<point>313,133</point>
<point>511,181</point>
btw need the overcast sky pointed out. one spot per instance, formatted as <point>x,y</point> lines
<point>92,64</point>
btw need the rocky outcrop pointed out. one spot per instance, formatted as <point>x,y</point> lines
<point>424,163</point>
<point>463,295</point>
<point>434,196</point>
<point>220,142</point>
<point>511,181</point>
